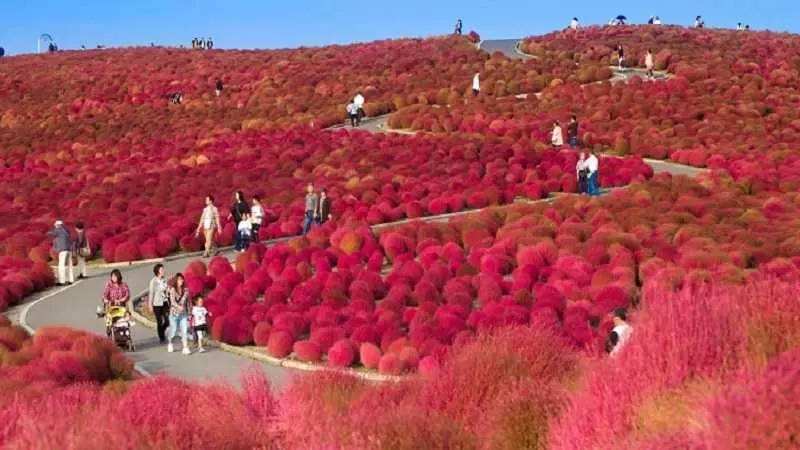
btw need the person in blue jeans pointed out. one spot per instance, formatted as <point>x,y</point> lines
<point>592,165</point>
<point>179,314</point>
<point>312,205</point>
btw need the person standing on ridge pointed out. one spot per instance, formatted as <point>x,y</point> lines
<point>210,44</point>
<point>358,100</point>
<point>657,21</point>
<point>648,63</point>
<point>592,165</point>
<point>159,305</point>
<point>574,23</point>
<point>210,224</point>
<point>557,137</point>
<point>218,87</point>
<point>81,249</point>
<point>459,27</point>
<point>698,22</point>
<point>572,131</point>
<point>620,334</point>
<point>311,206</point>
<point>650,20</point>
<point>62,245</point>
<point>476,84</point>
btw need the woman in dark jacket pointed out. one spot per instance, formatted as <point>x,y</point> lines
<point>323,212</point>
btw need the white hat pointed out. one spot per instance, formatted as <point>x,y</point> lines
<point>59,223</point>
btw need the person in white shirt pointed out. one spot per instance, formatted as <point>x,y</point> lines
<point>581,172</point>
<point>257,216</point>
<point>574,23</point>
<point>556,137</point>
<point>199,321</point>
<point>358,100</point>
<point>476,84</point>
<point>657,21</point>
<point>739,26</point>
<point>698,22</point>
<point>620,334</point>
<point>592,165</point>
<point>245,230</point>
<point>352,113</point>
<point>648,63</point>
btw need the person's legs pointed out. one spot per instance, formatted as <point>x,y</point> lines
<point>81,266</point>
<point>183,323</point>
<point>199,331</point>
<point>307,222</point>
<point>238,241</point>
<point>70,268</point>
<point>173,330</point>
<point>162,322</point>
<point>255,237</point>
<point>209,241</point>
<point>592,188</point>
<point>62,266</point>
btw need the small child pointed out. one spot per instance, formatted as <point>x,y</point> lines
<point>245,230</point>
<point>200,321</point>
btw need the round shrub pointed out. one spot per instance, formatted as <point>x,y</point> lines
<point>391,364</point>
<point>370,355</point>
<point>279,344</point>
<point>307,351</point>
<point>342,353</point>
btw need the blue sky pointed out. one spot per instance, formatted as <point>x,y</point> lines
<point>276,23</point>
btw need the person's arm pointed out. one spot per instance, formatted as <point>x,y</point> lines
<point>127,296</point>
<point>200,222</point>
<point>217,222</point>
<point>106,293</point>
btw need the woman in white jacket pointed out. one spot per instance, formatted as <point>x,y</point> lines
<point>557,138</point>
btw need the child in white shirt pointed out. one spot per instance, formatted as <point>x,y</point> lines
<point>245,230</point>
<point>200,321</point>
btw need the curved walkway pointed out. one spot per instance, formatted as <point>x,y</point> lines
<point>75,305</point>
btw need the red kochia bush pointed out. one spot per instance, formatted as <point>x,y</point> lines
<point>342,353</point>
<point>280,344</point>
<point>307,351</point>
<point>370,355</point>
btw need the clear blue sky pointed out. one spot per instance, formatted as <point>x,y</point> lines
<point>278,23</point>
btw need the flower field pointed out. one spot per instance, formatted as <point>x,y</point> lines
<point>495,320</point>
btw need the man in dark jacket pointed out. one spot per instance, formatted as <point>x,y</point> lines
<point>572,132</point>
<point>62,245</point>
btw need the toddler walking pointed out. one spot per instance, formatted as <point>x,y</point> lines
<point>245,230</point>
<point>200,321</point>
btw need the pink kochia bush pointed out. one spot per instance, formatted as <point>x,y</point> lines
<point>685,347</point>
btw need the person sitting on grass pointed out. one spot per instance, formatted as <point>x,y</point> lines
<point>199,321</point>
<point>556,137</point>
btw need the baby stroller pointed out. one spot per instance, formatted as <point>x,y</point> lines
<point>118,326</point>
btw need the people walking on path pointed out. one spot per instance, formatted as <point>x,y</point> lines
<point>62,246</point>
<point>209,224</point>
<point>476,84</point>
<point>218,87</point>
<point>459,27</point>
<point>621,332</point>
<point>582,173</point>
<point>648,63</point>
<point>199,321</point>
<point>179,314</point>
<point>81,249</point>
<point>620,55</point>
<point>592,166</point>
<point>311,205</point>
<point>556,136</point>
<point>158,302</point>
<point>256,217</point>
<point>572,131</point>
<point>352,113</point>
<point>323,213</point>
<point>574,24</point>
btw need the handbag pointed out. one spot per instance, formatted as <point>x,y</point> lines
<point>85,251</point>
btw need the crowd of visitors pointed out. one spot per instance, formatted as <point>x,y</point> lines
<point>199,43</point>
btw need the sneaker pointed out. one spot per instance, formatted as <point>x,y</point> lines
<point>201,350</point>
<point>186,351</point>
<point>170,347</point>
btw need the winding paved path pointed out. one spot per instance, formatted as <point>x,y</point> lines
<point>75,305</point>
